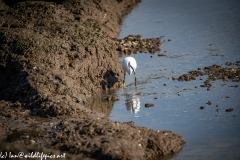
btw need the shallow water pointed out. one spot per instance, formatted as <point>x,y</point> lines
<point>201,33</point>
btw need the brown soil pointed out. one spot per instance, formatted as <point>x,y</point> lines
<point>53,58</point>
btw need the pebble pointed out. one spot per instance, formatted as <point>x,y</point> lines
<point>25,136</point>
<point>209,103</point>
<point>32,141</point>
<point>229,110</point>
<point>202,107</point>
<point>161,55</point>
<point>147,105</point>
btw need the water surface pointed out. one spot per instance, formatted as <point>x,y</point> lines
<point>196,34</point>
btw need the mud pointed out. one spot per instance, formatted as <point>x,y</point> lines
<point>14,149</point>
<point>53,58</point>
<point>83,136</point>
<point>135,44</point>
<point>214,72</point>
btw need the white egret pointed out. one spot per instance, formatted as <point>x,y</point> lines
<point>129,65</point>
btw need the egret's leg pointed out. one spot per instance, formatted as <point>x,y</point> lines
<point>135,78</point>
<point>124,79</point>
<point>134,75</point>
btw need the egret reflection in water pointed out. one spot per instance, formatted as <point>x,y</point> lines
<point>133,104</point>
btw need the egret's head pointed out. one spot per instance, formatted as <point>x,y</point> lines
<point>131,70</point>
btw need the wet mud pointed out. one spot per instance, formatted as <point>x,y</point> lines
<point>135,44</point>
<point>215,72</point>
<point>54,56</point>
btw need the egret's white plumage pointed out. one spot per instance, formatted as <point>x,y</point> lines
<point>129,65</point>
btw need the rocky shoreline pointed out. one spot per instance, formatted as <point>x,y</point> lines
<point>53,57</point>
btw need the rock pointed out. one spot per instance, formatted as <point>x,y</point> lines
<point>202,107</point>
<point>209,103</point>
<point>161,55</point>
<point>147,105</point>
<point>229,110</point>
<point>32,141</point>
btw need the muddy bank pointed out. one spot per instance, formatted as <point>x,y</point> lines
<point>53,58</point>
